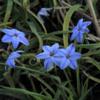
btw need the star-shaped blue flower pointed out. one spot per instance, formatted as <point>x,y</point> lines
<point>79,30</point>
<point>12,57</point>
<point>14,36</point>
<point>51,55</point>
<point>69,57</point>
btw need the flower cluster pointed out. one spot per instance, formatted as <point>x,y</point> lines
<point>15,37</point>
<point>61,57</point>
<point>64,57</point>
<point>52,55</point>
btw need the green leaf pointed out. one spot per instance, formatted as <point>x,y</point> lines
<point>33,29</point>
<point>89,46</point>
<point>8,10</point>
<point>26,4</point>
<point>67,19</point>
<point>5,92</point>
<point>8,78</point>
<point>93,62</point>
<point>34,16</point>
<point>44,83</point>
<point>84,90</point>
<point>55,3</point>
<point>37,96</point>
<point>92,77</point>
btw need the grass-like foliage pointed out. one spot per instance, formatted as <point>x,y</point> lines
<point>49,50</point>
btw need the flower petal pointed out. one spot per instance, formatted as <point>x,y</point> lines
<point>57,60</point>
<point>14,55</point>
<point>48,64</point>
<point>74,34</point>
<point>43,55</point>
<point>6,38</point>
<point>75,56</point>
<point>46,48</point>
<point>60,53</point>
<point>7,31</point>
<point>10,62</point>
<point>55,47</point>
<point>80,38</point>
<point>23,40</point>
<point>67,51</point>
<point>87,23</point>
<point>73,64</point>
<point>19,33</point>
<point>15,42</point>
<point>64,63</point>
<point>70,49</point>
<point>80,22</point>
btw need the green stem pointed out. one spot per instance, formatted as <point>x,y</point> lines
<point>78,81</point>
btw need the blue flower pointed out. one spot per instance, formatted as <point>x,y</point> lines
<point>79,30</point>
<point>15,37</point>
<point>69,57</point>
<point>12,57</point>
<point>43,12</point>
<point>51,56</point>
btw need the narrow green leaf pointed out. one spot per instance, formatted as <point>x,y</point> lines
<point>34,15</point>
<point>33,29</point>
<point>9,78</point>
<point>26,4</point>
<point>84,90</point>
<point>93,62</point>
<point>8,10</point>
<point>4,92</point>
<point>92,77</point>
<point>45,84</point>
<point>40,22</point>
<point>67,19</point>
<point>37,96</point>
<point>55,3</point>
<point>89,46</point>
